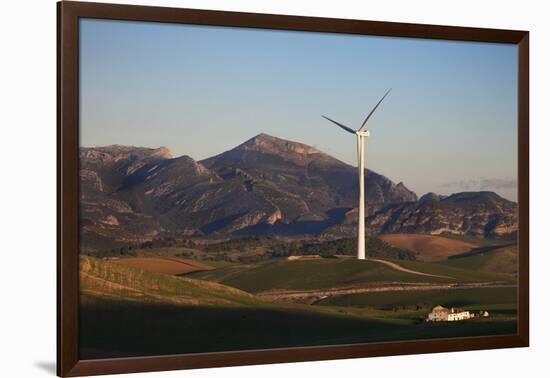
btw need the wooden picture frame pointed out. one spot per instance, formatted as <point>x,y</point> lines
<point>69,13</point>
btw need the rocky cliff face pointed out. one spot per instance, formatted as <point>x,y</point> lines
<point>480,214</point>
<point>265,185</point>
<point>105,215</point>
<point>106,167</point>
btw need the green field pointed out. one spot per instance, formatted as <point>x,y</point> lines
<point>458,272</point>
<point>330,273</point>
<point>503,260</point>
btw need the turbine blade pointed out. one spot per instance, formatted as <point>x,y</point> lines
<point>372,111</point>
<point>349,130</point>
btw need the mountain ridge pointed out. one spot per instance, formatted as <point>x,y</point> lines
<point>266,185</point>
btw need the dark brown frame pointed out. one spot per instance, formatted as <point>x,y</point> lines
<point>68,14</point>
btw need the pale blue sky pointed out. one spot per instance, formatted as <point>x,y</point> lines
<point>449,124</point>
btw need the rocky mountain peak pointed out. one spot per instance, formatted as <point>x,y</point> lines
<point>431,196</point>
<point>162,152</point>
<point>116,152</point>
<point>273,145</point>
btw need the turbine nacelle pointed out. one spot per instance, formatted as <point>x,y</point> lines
<point>362,133</point>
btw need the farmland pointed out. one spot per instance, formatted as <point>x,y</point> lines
<point>174,314</point>
<point>171,266</point>
<point>282,274</point>
<point>502,260</point>
<point>204,303</point>
<point>429,247</point>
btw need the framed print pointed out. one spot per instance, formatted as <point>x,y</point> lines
<point>239,188</point>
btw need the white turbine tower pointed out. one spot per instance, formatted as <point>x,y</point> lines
<point>361,135</point>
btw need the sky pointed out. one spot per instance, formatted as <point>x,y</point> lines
<point>449,124</point>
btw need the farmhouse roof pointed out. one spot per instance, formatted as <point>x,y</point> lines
<point>440,308</point>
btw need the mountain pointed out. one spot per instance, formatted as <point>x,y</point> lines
<point>105,215</point>
<point>266,185</point>
<point>105,168</point>
<point>480,214</point>
<point>303,182</point>
<point>431,197</point>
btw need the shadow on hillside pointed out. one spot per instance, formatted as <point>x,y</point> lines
<point>481,251</point>
<point>220,223</point>
<point>117,329</point>
<point>300,227</point>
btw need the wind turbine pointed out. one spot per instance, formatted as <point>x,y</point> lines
<point>361,135</point>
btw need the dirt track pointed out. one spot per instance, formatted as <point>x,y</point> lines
<point>402,269</point>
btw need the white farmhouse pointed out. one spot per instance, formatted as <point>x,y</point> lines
<point>443,314</point>
<point>439,314</point>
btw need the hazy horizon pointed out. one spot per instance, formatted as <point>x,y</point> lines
<point>449,125</point>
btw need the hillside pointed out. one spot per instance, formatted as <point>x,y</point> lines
<point>117,281</point>
<point>497,259</point>
<point>174,315</point>
<point>283,274</point>
<point>166,265</point>
<point>428,247</point>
